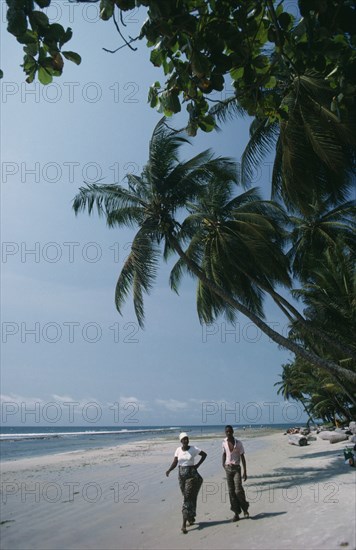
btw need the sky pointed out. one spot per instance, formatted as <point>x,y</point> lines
<point>68,357</point>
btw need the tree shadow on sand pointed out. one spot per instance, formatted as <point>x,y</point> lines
<point>288,477</point>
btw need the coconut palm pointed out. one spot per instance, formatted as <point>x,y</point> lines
<point>237,240</point>
<point>321,231</point>
<point>293,386</point>
<point>326,402</point>
<point>318,393</point>
<point>152,202</point>
<point>330,300</point>
<point>321,228</point>
<point>314,147</point>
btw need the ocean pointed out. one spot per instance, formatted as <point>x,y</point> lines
<point>25,442</point>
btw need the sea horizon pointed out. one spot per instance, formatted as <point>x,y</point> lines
<point>28,441</point>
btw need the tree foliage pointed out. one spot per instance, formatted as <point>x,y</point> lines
<point>199,44</point>
<point>294,72</point>
<point>321,396</point>
<point>42,41</point>
<point>232,244</point>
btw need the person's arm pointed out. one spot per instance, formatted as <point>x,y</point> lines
<point>203,457</point>
<point>223,459</point>
<point>243,460</point>
<point>172,466</point>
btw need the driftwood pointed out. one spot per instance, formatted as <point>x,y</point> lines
<point>333,437</point>
<point>297,439</point>
<point>326,434</point>
<point>337,437</point>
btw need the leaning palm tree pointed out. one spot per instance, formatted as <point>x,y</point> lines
<point>319,229</point>
<point>315,149</point>
<point>238,241</point>
<point>153,202</point>
<point>330,297</point>
<point>294,385</point>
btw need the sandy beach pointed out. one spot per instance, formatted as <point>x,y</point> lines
<point>120,498</point>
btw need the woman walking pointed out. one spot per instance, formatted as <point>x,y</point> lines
<point>190,480</point>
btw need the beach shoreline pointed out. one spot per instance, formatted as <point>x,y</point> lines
<point>16,443</point>
<point>119,498</point>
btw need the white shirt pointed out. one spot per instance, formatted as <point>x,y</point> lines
<point>233,457</point>
<point>186,458</point>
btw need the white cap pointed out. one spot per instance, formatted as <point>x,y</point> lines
<point>182,435</point>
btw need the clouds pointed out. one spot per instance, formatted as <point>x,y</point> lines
<point>65,410</point>
<point>172,404</point>
<point>130,411</point>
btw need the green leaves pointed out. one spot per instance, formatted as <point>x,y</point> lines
<point>200,64</point>
<point>38,20</point>
<point>169,102</point>
<point>16,21</point>
<point>285,20</point>
<point>44,76</point>
<point>106,9</point>
<point>153,94</point>
<point>43,3</point>
<point>207,123</point>
<point>42,40</point>
<point>72,56</point>
<point>200,45</point>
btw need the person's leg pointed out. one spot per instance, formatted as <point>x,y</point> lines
<point>197,482</point>
<point>182,485</point>
<point>234,503</point>
<point>240,492</point>
<point>192,486</point>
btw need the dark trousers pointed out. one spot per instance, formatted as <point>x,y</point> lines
<point>190,482</point>
<point>237,495</point>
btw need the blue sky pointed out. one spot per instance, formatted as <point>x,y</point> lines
<point>67,355</point>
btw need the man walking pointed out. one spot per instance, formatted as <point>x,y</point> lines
<point>233,454</point>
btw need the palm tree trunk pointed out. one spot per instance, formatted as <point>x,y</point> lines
<point>306,410</point>
<point>282,303</point>
<point>328,366</point>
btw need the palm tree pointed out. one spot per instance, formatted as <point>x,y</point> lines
<point>323,229</point>
<point>314,148</point>
<point>238,243</point>
<point>330,300</point>
<point>293,386</point>
<point>319,229</point>
<point>315,390</point>
<point>152,202</point>
<point>326,402</point>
